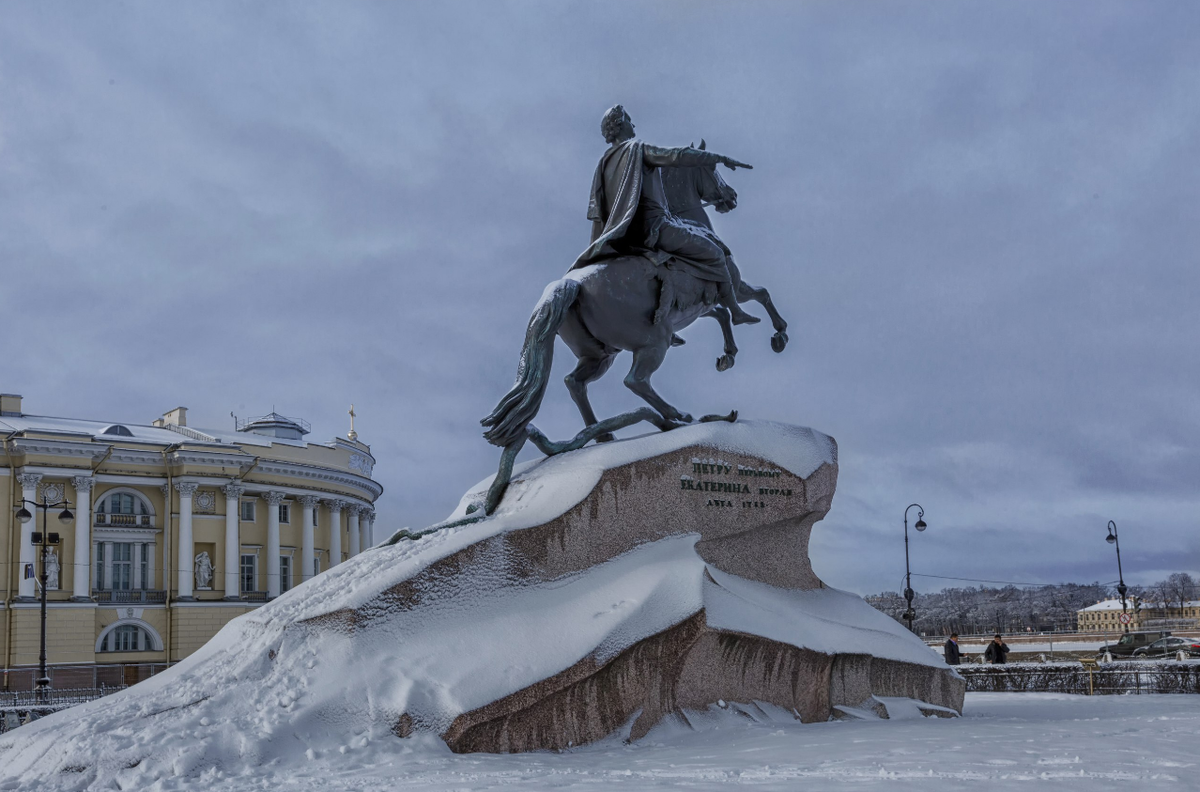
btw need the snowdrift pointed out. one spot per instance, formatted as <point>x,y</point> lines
<point>614,586</point>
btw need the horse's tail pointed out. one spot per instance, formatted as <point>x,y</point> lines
<point>520,405</point>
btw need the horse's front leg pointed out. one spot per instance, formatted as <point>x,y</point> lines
<point>646,361</point>
<point>747,292</point>
<point>589,369</point>
<point>726,361</point>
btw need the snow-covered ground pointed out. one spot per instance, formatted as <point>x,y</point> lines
<point>1007,740</point>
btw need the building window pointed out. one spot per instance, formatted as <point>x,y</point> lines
<point>100,566</point>
<point>316,516</point>
<point>247,511</point>
<point>145,563</point>
<point>122,566</point>
<point>285,573</point>
<point>249,572</point>
<point>126,638</point>
<point>285,514</point>
<point>316,566</point>
<point>122,508</point>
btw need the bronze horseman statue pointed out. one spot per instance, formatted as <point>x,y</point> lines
<point>654,266</point>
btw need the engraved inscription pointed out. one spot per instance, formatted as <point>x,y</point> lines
<point>717,476</point>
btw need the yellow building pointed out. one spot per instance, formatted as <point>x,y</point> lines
<point>174,532</point>
<point>1105,616</point>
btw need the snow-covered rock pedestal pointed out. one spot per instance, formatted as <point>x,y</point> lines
<point>613,587</point>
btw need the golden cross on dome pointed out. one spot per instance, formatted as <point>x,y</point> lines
<point>353,435</point>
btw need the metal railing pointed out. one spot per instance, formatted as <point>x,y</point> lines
<point>130,596</point>
<point>192,433</point>
<point>23,679</point>
<point>1103,679</point>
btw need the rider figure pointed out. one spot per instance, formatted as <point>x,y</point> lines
<point>629,211</point>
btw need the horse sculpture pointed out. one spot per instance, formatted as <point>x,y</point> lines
<point>622,303</point>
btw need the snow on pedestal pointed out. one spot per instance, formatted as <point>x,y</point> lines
<point>613,587</point>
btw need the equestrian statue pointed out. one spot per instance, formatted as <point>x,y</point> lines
<point>653,267</point>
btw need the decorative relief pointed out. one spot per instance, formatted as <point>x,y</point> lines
<point>205,502</point>
<point>362,464</point>
<point>308,501</point>
<point>336,506</point>
<point>53,491</point>
<point>83,483</point>
<point>233,491</point>
<point>272,497</point>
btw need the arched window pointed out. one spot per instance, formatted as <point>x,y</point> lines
<point>124,507</point>
<point>129,635</point>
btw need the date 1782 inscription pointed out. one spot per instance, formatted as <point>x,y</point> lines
<point>743,484</point>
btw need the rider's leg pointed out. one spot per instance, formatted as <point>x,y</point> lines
<point>735,283</point>
<point>726,297</point>
<point>681,240</point>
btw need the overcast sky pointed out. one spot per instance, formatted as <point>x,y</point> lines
<point>980,220</point>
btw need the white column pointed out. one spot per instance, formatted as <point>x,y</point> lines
<point>233,542</point>
<point>151,551</point>
<point>307,543</point>
<point>108,559</point>
<point>29,483</point>
<point>364,529</point>
<point>335,532</point>
<point>187,549</point>
<point>352,527</point>
<point>82,577</point>
<point>273,500</point>
<point>136,551</point>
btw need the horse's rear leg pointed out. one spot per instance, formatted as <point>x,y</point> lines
<point>725,362</point>
<point>763,297</point>
<point>646,361</point>
<point>589,369</point>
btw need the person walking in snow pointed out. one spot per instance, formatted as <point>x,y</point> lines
<point>951,652</point>
<point>997,651</point>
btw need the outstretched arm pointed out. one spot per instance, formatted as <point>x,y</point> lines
<point>687,157</point>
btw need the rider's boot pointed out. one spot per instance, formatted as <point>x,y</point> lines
<point>677,341</point>
<point>726,298</point>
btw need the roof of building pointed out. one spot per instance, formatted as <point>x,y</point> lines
<point>103,430</point>
<point>1115,605</point>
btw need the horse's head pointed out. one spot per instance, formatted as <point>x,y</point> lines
<point>714,189</point>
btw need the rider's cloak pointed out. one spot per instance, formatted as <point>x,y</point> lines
<point>612,215</point>
<point>616,200</point>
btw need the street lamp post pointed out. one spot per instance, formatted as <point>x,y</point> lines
<point>1121,588</point>
<point>910,614</point>
<point>44,540</point>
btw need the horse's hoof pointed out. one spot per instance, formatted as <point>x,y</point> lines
<point>607,437</point>
<point>684,418</point>
<point>725,362</point>
<point>779,341</point>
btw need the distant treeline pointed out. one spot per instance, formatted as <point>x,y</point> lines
<point>1011,609</point>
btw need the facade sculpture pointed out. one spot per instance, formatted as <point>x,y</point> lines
<point>648,273</point>
<point>52,569</point>
<point>204,571</point>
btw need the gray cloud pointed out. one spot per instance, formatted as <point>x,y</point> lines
<point>979,220</point>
